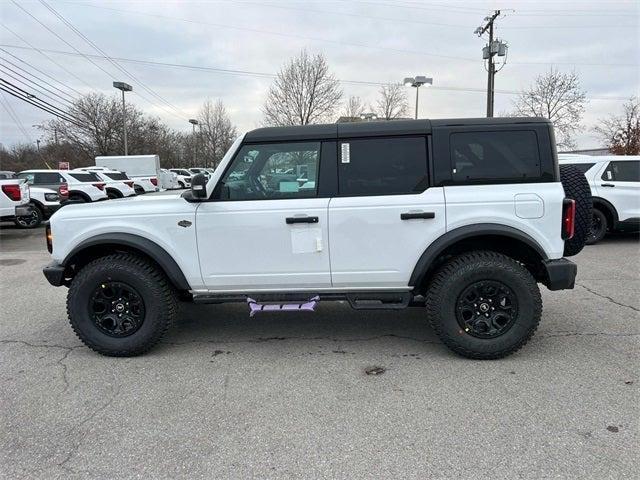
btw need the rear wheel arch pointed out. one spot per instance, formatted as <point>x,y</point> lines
<point>115,192</point>
<point>608,209</point>
<point>79,194</point>
<point>107,244</point>
<point>498,238</point>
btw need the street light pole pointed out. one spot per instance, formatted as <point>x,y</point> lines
<point>417,82</point>
<point>194,122</point>
<point>125,87</point>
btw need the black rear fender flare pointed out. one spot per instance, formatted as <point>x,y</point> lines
<point>430,256</point>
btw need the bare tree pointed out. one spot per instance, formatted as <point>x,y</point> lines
<point>354,107</point>
<point>218,133</point>
<point>303,92</point>
<point>392,102</point>
<point>558,97</point>
<point>621,133</point>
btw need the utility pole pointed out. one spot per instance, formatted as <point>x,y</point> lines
<point>194,122</point>
<point>125,87</point>
<point>494,47</point>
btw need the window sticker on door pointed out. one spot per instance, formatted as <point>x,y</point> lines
<point>306,240</point>
<point>609,176</point>
<point>346,154</point>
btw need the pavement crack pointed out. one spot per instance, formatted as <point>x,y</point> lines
<point>40,345</point>
<point>76,446</point>
<point>587,334</point>
<point>606,297</point>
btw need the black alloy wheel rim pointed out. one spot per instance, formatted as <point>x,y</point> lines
<point>116,309</point>
<point>29,220</point>
<point>486,309</point>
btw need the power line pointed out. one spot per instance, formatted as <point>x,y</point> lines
<point>62,92</point>
<point>7,106</point>
<point>421,22</point>
<point>84,55</point>
<point>35,104</point>
<point>41,52</point>
<point>35,85</point>
<point>336,42</point>
<point>248,73</point>
<point>110,59</point>
<point>35,101</point>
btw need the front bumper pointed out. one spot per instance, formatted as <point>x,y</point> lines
<point>54,273</point>
<point>560,274</point>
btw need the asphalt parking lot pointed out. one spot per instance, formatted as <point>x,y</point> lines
<point>287,396</point>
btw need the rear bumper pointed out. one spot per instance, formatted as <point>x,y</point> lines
<point>23,210</point>
<point>54,273</point>
<point>560,274</point>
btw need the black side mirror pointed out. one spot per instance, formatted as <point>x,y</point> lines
<point>199,186</point>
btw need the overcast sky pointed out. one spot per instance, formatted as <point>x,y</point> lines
<point>364,41</point>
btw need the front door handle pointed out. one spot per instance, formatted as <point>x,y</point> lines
<point>608,185</point>
<point>415,215</point>
<point>291,220</point>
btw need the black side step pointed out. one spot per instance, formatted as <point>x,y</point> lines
<point>379,301</point>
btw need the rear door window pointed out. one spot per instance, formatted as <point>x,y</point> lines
<point>622,171</point>
<point>85,177</point>
<point>482,157</point>
<point>382,166</point>
<point>47,178</point>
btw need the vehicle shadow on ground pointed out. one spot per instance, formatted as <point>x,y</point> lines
<point>333,322</point>
<point>618,238</point>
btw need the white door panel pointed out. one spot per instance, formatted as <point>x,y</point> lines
<point>623,195</point>
<point>372,247</point>
<point>249,245</point>
<point>504,205</point>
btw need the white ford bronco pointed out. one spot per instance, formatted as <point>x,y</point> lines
<point>462,217</point>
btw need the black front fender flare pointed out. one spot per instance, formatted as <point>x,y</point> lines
<point>135,242</point>
<point>434,250</point>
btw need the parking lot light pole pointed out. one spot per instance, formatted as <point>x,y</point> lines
<point>194,122</point>
<point>125,87</point>
<point>417,82</point>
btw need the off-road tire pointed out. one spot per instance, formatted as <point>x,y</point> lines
<point>576,187</point>
<point>596,234</point>
<point>448,283</point>
<point>158,295</point>
<point>36,217</point>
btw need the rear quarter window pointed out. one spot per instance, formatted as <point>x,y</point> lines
<point>486,157</point>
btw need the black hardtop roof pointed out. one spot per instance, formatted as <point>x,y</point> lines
<point>374,129</point>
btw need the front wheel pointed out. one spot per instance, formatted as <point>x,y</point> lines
<point>598,227</point>
<point>32,220</point>
<point>121,305</point>
<point>483,305</point>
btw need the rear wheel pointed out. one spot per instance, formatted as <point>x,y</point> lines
<point>576,187</point>
<point>483,305</point>
<point>32,220</point>
<point>121,305</point>
<point>111,193</point>
<point>598,228</point>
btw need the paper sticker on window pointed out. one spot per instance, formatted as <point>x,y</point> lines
<point>345,153</point>
<point>609,176</point>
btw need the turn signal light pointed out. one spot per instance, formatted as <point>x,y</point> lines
<point>568,218</point>
<point>49,238</point>
<point>12,191</point>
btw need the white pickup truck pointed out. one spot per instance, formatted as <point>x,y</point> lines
<point>14,199</point>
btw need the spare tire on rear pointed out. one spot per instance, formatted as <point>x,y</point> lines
<point>576,187</point>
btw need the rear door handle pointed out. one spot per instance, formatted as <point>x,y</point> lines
<point>416,215</point>
<point>608,185</point>
<point>291,220</point>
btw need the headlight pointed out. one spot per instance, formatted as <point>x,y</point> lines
<point>51,197</point>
